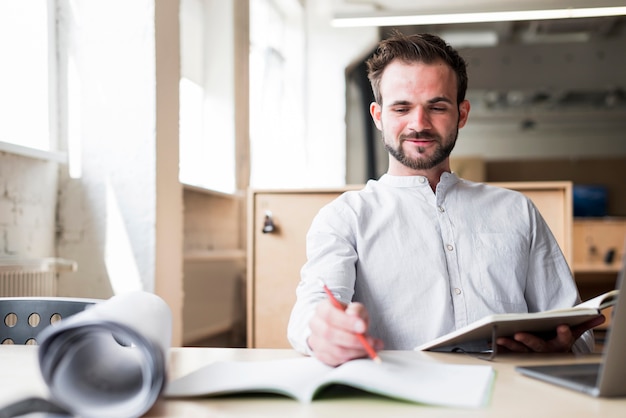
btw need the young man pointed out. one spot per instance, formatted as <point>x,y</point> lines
<point>420,252</point>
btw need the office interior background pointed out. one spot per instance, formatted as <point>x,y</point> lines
<point>131,131</point>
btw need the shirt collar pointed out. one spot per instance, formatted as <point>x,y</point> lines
<point>446,179</point>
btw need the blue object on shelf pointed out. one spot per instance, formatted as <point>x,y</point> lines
<point>589,200</point>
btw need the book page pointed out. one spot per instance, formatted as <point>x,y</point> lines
<point>290,377</point>
<point>413,379</point>
<point>602,301</point>
<point>400,376</point>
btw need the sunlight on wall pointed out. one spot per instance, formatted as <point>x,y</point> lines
<point>193,147</point>
<point>118,253</point>
<point>74,117</point>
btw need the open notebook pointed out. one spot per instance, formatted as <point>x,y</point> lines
<point>604,379</point>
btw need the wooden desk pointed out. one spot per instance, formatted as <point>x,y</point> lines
<point>514,395</point>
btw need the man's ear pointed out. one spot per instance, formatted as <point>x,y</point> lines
<point>464,109</point>
<point>376,111</point>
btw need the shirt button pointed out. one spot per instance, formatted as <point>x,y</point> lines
<point>449,247</point>
<point>441,209</point>
<point>457,291</point>
<point>422,180</point>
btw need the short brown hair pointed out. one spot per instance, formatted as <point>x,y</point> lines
<point>423,47</point>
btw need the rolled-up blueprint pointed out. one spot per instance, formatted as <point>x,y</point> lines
<point>109,360</point>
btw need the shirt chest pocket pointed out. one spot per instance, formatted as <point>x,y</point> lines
<point>502,266</point>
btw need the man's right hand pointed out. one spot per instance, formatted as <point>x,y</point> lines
<point>333,338</point>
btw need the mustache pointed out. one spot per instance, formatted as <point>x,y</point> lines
<point>419,135</point>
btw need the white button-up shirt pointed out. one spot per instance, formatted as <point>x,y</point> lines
<point>425,264</point>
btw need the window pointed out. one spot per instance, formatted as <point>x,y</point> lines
<point>207,138</point>
<point>277,129</point>
<point>278,146</point>
<point>27,75</point>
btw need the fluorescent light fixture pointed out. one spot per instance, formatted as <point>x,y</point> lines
<point>466,39</point>
<point>439,19</point>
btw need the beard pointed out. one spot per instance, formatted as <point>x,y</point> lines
<point>442,151</point>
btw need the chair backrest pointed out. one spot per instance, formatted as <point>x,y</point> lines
<point>23,318</point>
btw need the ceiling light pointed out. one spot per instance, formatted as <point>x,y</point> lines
<point>448,18</point>
<point>465,39</point>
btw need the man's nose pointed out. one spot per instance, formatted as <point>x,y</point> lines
<point>420,119</point>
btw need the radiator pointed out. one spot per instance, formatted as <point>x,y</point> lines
<point>31,277</point>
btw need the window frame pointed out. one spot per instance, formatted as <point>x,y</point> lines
<point>54,151</point>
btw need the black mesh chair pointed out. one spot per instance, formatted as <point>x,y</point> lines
<point>23,318</point>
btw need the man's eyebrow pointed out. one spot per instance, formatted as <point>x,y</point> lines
<point>440,99</point>
<point>400,103</point>
<point>434,100</point>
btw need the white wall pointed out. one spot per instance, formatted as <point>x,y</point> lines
<point>329,51</point>
<point>122,219</point>
<point>110,210</point>
<point>28,200</point>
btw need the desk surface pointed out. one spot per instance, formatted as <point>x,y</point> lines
<point>513,395</point>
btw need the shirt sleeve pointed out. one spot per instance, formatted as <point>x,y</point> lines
<point>330,257</point>
<point>584,344</point>
<point>551,283</point>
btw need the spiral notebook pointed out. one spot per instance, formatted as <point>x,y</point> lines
<point>604,379</point>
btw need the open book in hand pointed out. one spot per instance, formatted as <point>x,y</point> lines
<point>400,375</point>
<point>478,336</point>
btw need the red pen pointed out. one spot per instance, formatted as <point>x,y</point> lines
<point>370,351</point>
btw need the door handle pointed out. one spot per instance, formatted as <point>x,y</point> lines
<point>268,223</point>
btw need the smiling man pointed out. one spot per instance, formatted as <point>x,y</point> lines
<point>421,252</point>
<point>419,118</point>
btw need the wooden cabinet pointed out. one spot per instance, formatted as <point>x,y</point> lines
<point>276,257</point>
<point>599,244</point>
<point>598,253</point>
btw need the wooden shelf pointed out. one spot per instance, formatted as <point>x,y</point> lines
<point>596,268</point>
<point>215,255</point>
<point>594,239</point>
<point>198,189</point>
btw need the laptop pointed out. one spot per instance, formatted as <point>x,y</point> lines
<point>604,379</point>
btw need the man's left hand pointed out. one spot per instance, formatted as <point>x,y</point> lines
<point>523,342</point>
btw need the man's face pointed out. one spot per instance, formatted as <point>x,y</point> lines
<point>419,117</point>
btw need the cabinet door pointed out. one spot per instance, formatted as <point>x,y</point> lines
<point>276,259</point>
